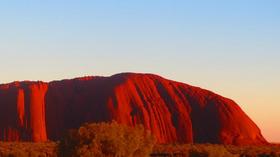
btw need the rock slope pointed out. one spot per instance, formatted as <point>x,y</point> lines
<point>173,111</point>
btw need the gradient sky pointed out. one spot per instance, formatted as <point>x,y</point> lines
<point>229,47</point>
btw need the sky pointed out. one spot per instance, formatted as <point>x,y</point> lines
<point>229,47</point>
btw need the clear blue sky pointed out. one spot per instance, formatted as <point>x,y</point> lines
<point>230,47</point>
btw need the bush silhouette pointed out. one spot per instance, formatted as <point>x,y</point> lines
<point>107,139</point>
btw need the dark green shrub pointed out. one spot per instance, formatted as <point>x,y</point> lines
<point>107,139</point>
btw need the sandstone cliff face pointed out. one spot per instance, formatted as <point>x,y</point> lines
<point>22,111</point>
<point>173,111</point>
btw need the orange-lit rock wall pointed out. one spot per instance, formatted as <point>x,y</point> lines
<point>173,111</point>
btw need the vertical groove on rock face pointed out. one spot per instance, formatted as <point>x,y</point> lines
<point>161,114</point>
<point>37,111</point>
<point>179,112</point>
<point>20,107</point>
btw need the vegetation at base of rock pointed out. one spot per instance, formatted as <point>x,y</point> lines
<point>28,149</point>
<point>118,140</point>
<point>107,139</point>
<point>49,149</point>
<point>216,150</point>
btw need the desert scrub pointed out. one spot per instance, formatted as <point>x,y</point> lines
<point>107,139</point>
<point>28,149</point>
<point>216,150</point>
<point>193,150</point>
<point>210,150</point>
<point>255,151</point>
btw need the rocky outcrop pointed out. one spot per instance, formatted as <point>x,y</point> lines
<point>173,111</point>
<point>22,111</point>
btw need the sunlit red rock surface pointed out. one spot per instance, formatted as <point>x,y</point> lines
<point>173,111</point>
